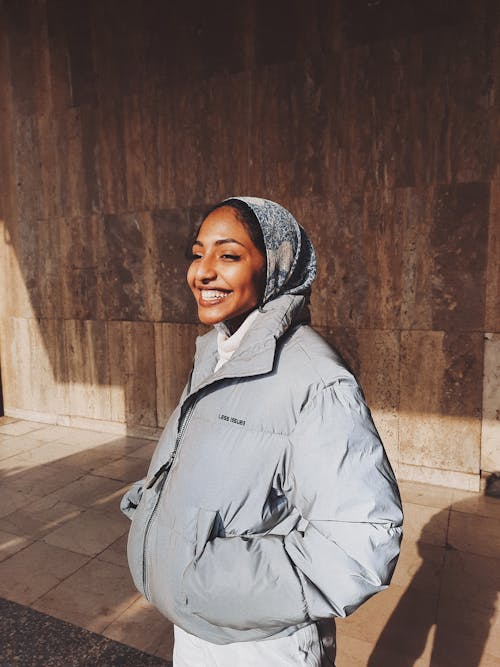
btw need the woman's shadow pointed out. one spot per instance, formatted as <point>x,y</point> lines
<point>453,590</point>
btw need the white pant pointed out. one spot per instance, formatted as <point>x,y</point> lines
<point>303,648</point>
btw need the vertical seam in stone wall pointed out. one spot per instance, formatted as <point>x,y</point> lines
<point>250,58</point>
<point>156,365</point>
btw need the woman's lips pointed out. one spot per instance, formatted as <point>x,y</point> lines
<point>212,297</point>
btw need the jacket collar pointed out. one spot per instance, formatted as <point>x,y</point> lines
<point>255,355</point>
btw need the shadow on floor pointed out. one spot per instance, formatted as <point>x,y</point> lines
<point>461,607</point>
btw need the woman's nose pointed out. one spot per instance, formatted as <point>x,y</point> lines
<point>205,270</point>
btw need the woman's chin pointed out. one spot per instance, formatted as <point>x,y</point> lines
<point>232,320</point>
<point>207,316</point>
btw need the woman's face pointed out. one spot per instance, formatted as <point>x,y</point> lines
<point>227,274</point>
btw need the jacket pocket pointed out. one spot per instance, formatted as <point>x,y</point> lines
<point>207,528</point>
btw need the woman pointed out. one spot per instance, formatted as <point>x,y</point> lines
<point>269,506</point>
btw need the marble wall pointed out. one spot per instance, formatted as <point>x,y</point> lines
<point>375,123</point>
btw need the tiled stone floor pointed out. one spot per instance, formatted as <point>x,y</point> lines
<point>63,541</point>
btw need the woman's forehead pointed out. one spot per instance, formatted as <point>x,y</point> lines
<point>223,224</point>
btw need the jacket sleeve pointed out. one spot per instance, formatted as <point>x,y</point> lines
<point>344,546</point>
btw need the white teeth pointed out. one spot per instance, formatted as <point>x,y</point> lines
<point>212,294</point>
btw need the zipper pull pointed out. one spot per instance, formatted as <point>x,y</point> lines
<point>164,468</point>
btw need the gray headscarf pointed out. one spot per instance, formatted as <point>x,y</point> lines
<point>291,260</point>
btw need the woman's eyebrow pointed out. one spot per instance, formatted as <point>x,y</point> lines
<point>220,242</point>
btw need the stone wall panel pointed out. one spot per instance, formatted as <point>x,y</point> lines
<point>132,372</point>
<point>370,22</point>
<point>492,305</point>
<point>33,361</point>
<point>290,129</point>
<point>459,237</point>
<point>172,232</point>
<point>142,159</point>
<point>374,356</point>
<point>303,38</point>
<point>79,267</point>
<point>490,432</point>
<point>111,152</point>
<point>88,362</point>
<point>203,141</point>
<point>124,256</point>
<point>440,399</point>
<point>174,351</point>
<point>445,241</point>
<point>21,56</point>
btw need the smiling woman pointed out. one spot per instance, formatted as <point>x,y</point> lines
<point>270,506</point>
<point>228,271</point>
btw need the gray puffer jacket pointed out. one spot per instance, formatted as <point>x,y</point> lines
<point>269,502</point>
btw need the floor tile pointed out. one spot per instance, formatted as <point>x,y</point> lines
<point>464,634</point>
<point>90,490</point>
<point>11,544</point>
<point>20,427</point>
<point>14,500</point>
<point>20,462</point>
<point>480,505</point>
<point>7,420</point>
<point>52,433</point>
<point>386,617</point>
<point>11,445</point>
<point>42,454</point>
<point>353,652</point>
<point>420,565</point>
<point>104,591</point>
<point>468,623</point>
<point>42,480</point>
<point>39,517</point>
<point>125,446</point>
<point>89,438</point>
<point>425,524</point>
<point>145,452</point>
<point>126,469</point>
<point>470,581</point>
<point>429,495</point>
<point>116,552</point>
<point>475,534</point>
<point>89,533</point>
<point>143,627</point>
<point>85,458</point>
<point>30,573</point>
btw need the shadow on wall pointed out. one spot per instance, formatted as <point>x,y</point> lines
<point>115,141</point>
<point>451,600</point>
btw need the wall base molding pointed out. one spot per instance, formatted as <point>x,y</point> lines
<point>118,428</point>
<point>448,478</point>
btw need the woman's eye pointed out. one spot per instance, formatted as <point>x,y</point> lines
<point>195,255</point>
<point>233,258</point>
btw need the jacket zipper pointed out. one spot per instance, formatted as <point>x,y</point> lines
<point>162,472</point>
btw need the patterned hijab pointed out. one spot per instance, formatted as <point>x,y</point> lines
<point>291,260</point>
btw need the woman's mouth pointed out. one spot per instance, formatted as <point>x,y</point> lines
<point>210,297</point>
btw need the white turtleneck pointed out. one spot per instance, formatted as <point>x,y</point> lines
<point>227,345</point>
